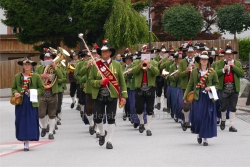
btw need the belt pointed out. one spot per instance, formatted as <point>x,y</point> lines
<point>104,92</point>
<point>47,93</point>
<point>229,86</point>
<point>145,87</point>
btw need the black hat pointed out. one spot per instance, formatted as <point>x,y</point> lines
<point>137,55</point>
<point>178,55</point>
<point>213,51</point>
<point>47,53</point>
<point>204,55</point>
<point>73,53</point>
<point>229,50</point>
<point>163,48</point>
<point>27,59</point>
<point>83,53</point>
<point>200,46</point>
<point>127,56</point>
<point>106,46</point>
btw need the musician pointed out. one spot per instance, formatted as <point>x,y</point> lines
<point>159,79</point>
<point>81,79</point>
<point>72,79</point>
<point>63,68</point>
<point>48,100</point>
<point>213,54</point>
<point>61,87</point>
<point>229,72</point>
<point>26,113</point>
<point>184,71</point>
<point>128,61</point>
<point>145,74</point>
<point>105,91</point>
<point>174,89</point>
<point>203,108</point>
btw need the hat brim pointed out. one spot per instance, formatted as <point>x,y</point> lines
<point>210,59</point>
<point>42,56</point>
<point>31,62</point>
<point>233,52</point>
<point>99,51</point>
<point>128,57</point>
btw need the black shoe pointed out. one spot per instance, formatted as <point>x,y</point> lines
<point>158,106</point>
<point>168,110</point>
<point>172,115</point>
<point>91,130</point>
<point>199,140</point>
<point>222,125</point>
<point>43,132</point>
<point>205,144</point>
<point>72,105</point>
<point>56,128</point>
<point>78,107</point>
<point>59,123</point>
<point>165,109</point>
<point>54,132</point>
<point>218,122</point>
<point>81,114</point>
<point>187,124</point>
<point>232,129</point>
<point>51,137</point>
<point>25,149</point>
<point>129,119</point>
<point>47,128</point>
<point>97,135</point>
<point>149,133</point>
<point>124,118</point>
<point>141,128</point>
<point>136,125</point>
<point>176,120</point>
<point>184,128</point>
<point>101,140</point>
<point>109,145</point>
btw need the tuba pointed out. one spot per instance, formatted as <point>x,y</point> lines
<point>51,71</point>
<point>71,68</point>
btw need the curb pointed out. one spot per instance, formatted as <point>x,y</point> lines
<point>243,108</point>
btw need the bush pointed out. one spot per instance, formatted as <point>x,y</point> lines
<point>244,49</point>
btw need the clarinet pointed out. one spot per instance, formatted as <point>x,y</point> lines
<point>228,70</point>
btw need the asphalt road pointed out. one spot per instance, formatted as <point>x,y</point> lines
<point>168,146</point>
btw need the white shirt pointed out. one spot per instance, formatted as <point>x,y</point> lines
<point>228,61</point>
<point>203,72</point>
<point>108,61</point>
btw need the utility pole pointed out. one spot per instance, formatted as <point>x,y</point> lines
<point>149,24</point>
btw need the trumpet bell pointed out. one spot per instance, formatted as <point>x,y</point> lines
<point>63,51</point>
<point>80,35</point>
<point>165,73</point>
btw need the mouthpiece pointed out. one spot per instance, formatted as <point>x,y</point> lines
<point>80,35</point>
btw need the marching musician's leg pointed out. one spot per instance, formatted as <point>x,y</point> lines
<point>149,99</point>
<point>186,112</point>
<point>232,104</point>
<point>89,111</point>
<point>52,114</point>
<point>139,107</point>
<point>78,96</point>
<point>72,93</point>
<point>159,85</point>
<point>224,102</point>
<point>42,114</point>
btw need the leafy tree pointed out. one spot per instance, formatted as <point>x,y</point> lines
<point>182,21</point>
<point>233,18</point>
<point>244,48</point>
<point>55,21</point>
<point>125,26</point>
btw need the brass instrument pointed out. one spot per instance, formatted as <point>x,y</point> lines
<point>165,74</point>
<point>127,71</point>
<point>144,66</point>
<point>51,71</point>
<point>71,68</point>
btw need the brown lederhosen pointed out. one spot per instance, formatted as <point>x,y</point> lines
<point>89,104</point>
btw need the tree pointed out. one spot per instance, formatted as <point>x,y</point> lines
<point>55,21</point>
<point>233,18</point>
<point>182,21</point>
<point>125,26</point>
<point>207,9</point>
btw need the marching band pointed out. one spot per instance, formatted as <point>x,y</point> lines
<point>190,78</point>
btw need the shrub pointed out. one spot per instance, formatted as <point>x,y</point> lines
<point>244,49</point>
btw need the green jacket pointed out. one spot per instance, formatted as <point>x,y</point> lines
<point>36,83</point>
<point>40,70</point>
<point>194,79</point>
<point>81,79</point>
<point>163,63</point>
<point>174,81</point>
<point>95,78</point>
<point>167,68</point>
<point>129,78</point>
<point>152,72</point>
<point>182,73</point>
<point>213,65</point>
<point>62,82</point>
<point>237,71</point>
<point>84,71</point>
<point>76,64</point>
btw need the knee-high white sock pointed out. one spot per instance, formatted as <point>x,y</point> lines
<point>82,107</point>
<point>26,144</point>
<point>47,119</point>
<point>141,118</point>
<point>73,99</point>
<point>60,115</point>
<point>110,130</point>
<point>205,140</point>
<point>165,102</point>
<point>223,116</point>
<point>149,121</point>
<point>232,117</point>
<point>158,99</point>
<point>90,118</point>
<point>51,125</point>
<point>100,127</point>
<point>77,101</point>
<point>43,122</point>
<point>97,129</point>
<point>186,115</point>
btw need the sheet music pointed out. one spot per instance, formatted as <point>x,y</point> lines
<point>33,95</point>
<point>213,95</point>
<point>145,56</point>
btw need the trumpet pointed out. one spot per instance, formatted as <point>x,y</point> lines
<point>165,73</point>
<point>71,68</point>
<point>127,71</point>
<point>144,66</point>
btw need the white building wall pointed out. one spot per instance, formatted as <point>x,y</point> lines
<point>3,28</point>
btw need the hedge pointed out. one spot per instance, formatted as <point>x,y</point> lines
<point>244,49</point>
